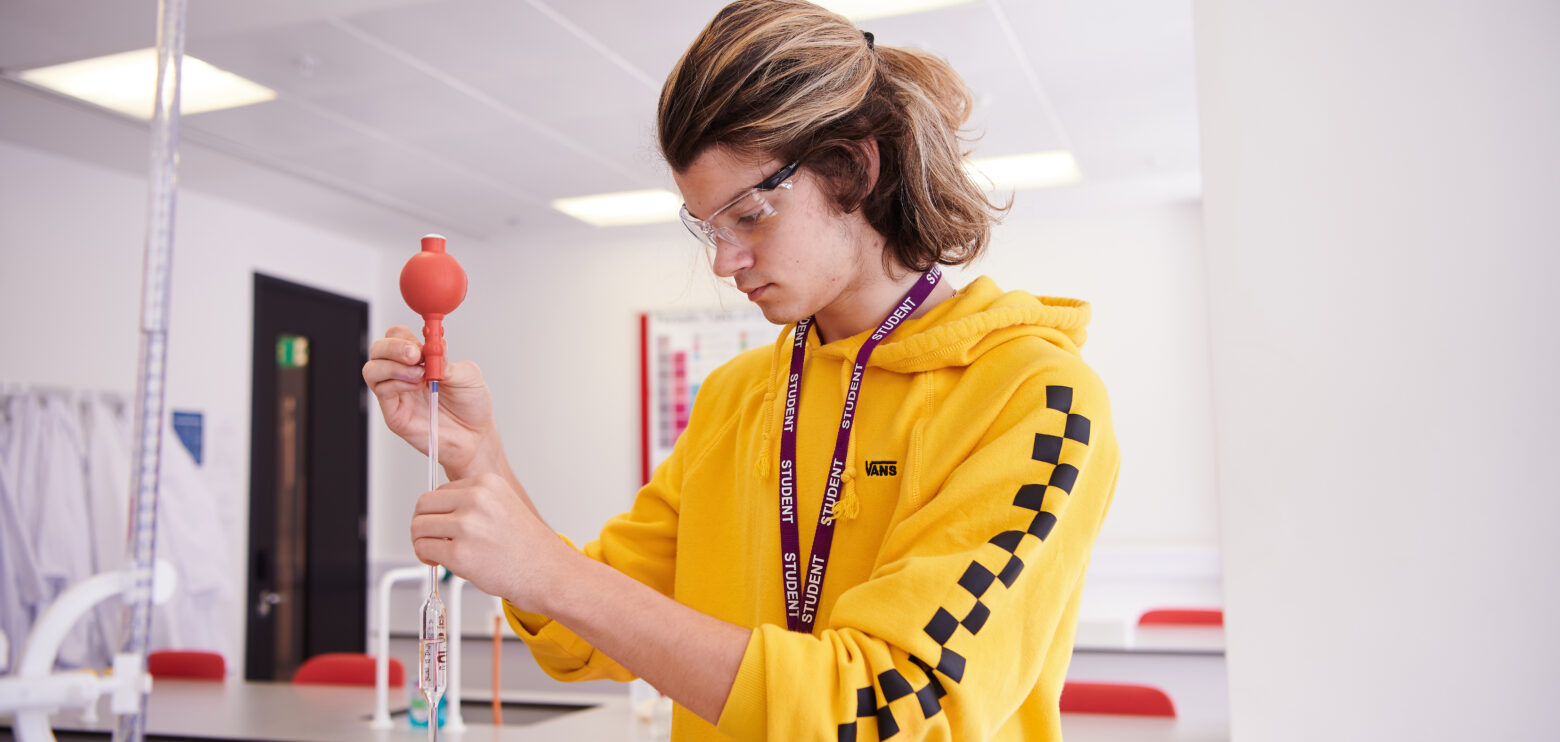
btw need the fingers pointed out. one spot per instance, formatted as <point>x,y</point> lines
<point>462,374</point>
<point>376,371</point>
<point>433,551</point>
<point>398,344</point>
<point>444,500</point>
<point>398,355</point>
<point>477,528</point>
<point>436,525</point>
<point>439,518</point>
<point>395,357</point>
<point>388,391</point>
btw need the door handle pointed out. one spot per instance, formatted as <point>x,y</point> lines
<point>268,598</point>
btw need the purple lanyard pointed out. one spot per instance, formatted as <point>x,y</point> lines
<point>801,604</point>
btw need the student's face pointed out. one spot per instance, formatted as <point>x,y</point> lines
<point>789,250</point>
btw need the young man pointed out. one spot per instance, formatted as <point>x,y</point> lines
<point>879,525</point>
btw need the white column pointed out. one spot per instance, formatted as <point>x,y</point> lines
<point>1383,235</point>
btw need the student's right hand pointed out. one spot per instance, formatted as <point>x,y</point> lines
<point>468,437</point>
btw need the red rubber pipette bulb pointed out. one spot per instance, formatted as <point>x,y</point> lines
<point>433,285</point>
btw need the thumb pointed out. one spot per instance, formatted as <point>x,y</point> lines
<point>463,374</point>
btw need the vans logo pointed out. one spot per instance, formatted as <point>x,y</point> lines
<point>882,468</point>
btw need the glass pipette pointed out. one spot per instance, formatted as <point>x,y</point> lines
<point>433,637</point>
<point>150,389</point>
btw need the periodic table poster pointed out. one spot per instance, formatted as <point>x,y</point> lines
<point>678,348</point>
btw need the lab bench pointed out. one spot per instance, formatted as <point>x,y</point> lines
<point>283,712</point>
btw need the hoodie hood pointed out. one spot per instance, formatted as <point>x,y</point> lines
<point>955,333</point>
<point>963,327</point>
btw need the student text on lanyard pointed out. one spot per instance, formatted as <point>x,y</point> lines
<point>801,602</point>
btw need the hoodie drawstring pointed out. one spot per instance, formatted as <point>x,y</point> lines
<point>849,504</point>
<point>771,392</point>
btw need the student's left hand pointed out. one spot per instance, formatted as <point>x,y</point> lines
<point>485,530</point>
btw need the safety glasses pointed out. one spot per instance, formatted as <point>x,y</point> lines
<point>748,218</point>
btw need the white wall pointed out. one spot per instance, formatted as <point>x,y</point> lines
<point>71,239</point>
<point>1380,191</point>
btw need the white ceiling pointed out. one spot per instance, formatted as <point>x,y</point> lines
<point>468,116</point>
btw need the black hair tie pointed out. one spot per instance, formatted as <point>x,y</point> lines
<point>868,36</point>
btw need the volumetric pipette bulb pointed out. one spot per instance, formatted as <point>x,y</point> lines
<point>433,641</point>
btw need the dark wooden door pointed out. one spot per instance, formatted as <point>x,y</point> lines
<point>308,492</point>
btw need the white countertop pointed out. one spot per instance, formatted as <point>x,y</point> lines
<point>323,713</point>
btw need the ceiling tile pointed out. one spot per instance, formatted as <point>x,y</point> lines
<point>450,194</point>
<point>425,111</point>
<point>36,33</point>
<point>277,128</point>
<point>650,35</point>
<point>536,165</point>
<point>309,60</point>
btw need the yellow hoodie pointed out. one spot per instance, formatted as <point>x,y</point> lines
<point>982,462</point>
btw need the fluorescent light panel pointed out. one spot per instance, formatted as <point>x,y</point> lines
<point>866,10</point>
<point>622,209</point>
<point>1021,172</point>
<point>127,83</point>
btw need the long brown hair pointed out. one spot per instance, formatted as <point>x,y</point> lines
<point>790,80</point>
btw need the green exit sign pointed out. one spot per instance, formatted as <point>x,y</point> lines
<point>292,351</point>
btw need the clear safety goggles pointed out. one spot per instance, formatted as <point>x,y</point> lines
<point>748,218</point>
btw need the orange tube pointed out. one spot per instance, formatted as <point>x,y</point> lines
<point>498,653</point>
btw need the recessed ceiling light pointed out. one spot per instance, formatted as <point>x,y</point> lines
<point>866,10</point>
<point>1020,172</point>
<point>622,209</point>
<point>127,83</point>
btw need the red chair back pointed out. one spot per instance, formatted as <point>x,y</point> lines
<point>345,668</point>
<point>1080,697</point>
<point>1182,617</point>
<point>169,663</point>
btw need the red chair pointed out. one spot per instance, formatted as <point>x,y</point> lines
<point>1182,617</point>
<point>345,668</point>
<point>169,663</point>
<point>1080,697</point>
